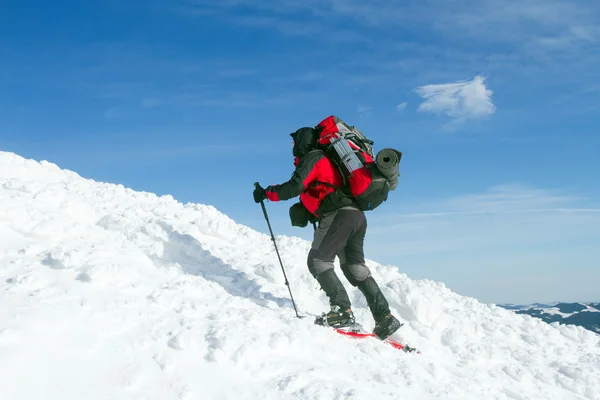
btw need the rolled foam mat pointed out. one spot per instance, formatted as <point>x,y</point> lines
<point>388,162</point>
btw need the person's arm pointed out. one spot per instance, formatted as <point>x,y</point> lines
<point>302,177</point>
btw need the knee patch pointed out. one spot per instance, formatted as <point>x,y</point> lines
<point>316,266</point>
<point>355,273</point>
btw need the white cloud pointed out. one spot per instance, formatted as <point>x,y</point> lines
<point>459,101</point>
<point>401,106</point>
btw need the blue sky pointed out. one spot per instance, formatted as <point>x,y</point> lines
<point>494,103</point>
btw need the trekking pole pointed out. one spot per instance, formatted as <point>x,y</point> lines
<point>287,283</point>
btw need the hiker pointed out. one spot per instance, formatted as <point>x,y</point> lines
<point>339,231</point>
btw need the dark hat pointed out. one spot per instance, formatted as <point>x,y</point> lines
<point>305,140</point>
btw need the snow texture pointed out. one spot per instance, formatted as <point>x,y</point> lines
<point>108,293</point>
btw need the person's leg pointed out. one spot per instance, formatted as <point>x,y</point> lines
<point>359,275</point>
<point>329,240</point>
<point>356,271</point>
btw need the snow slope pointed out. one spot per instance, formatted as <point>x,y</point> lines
<point>107,293</point>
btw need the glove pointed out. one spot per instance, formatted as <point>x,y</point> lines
<point>259,193</point>
<point>299,215</point>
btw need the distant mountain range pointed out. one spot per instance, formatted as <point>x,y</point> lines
<point>586,315</point>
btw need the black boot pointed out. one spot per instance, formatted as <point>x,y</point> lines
<point>336,318</point>
<point>386,326</point>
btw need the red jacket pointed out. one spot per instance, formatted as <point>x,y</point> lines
<point>312,180</point>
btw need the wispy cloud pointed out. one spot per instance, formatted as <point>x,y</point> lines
<point>290,18</point>
<point>286,27</point>
<point>460,101</point>
<point>509,40</point>
<point>500,20</point>
<point>512,206</point>
<point>194,150</point>
<point>569,39</point>
<point>130,76</point>
<point>364,111</point>
<point>510,197</point>
<point>472,240</point>
<point>530,33</point>
<point>401,106</point>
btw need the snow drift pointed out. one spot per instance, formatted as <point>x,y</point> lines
<point>108,293</point>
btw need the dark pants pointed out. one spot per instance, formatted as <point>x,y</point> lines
<point>342,234</point>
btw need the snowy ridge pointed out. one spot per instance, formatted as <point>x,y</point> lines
<point>557,311</point>
<point>108,293</point>
<point>556,307</point>
<point>586,315</point>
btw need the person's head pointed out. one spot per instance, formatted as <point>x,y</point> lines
<point>304,140</point>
